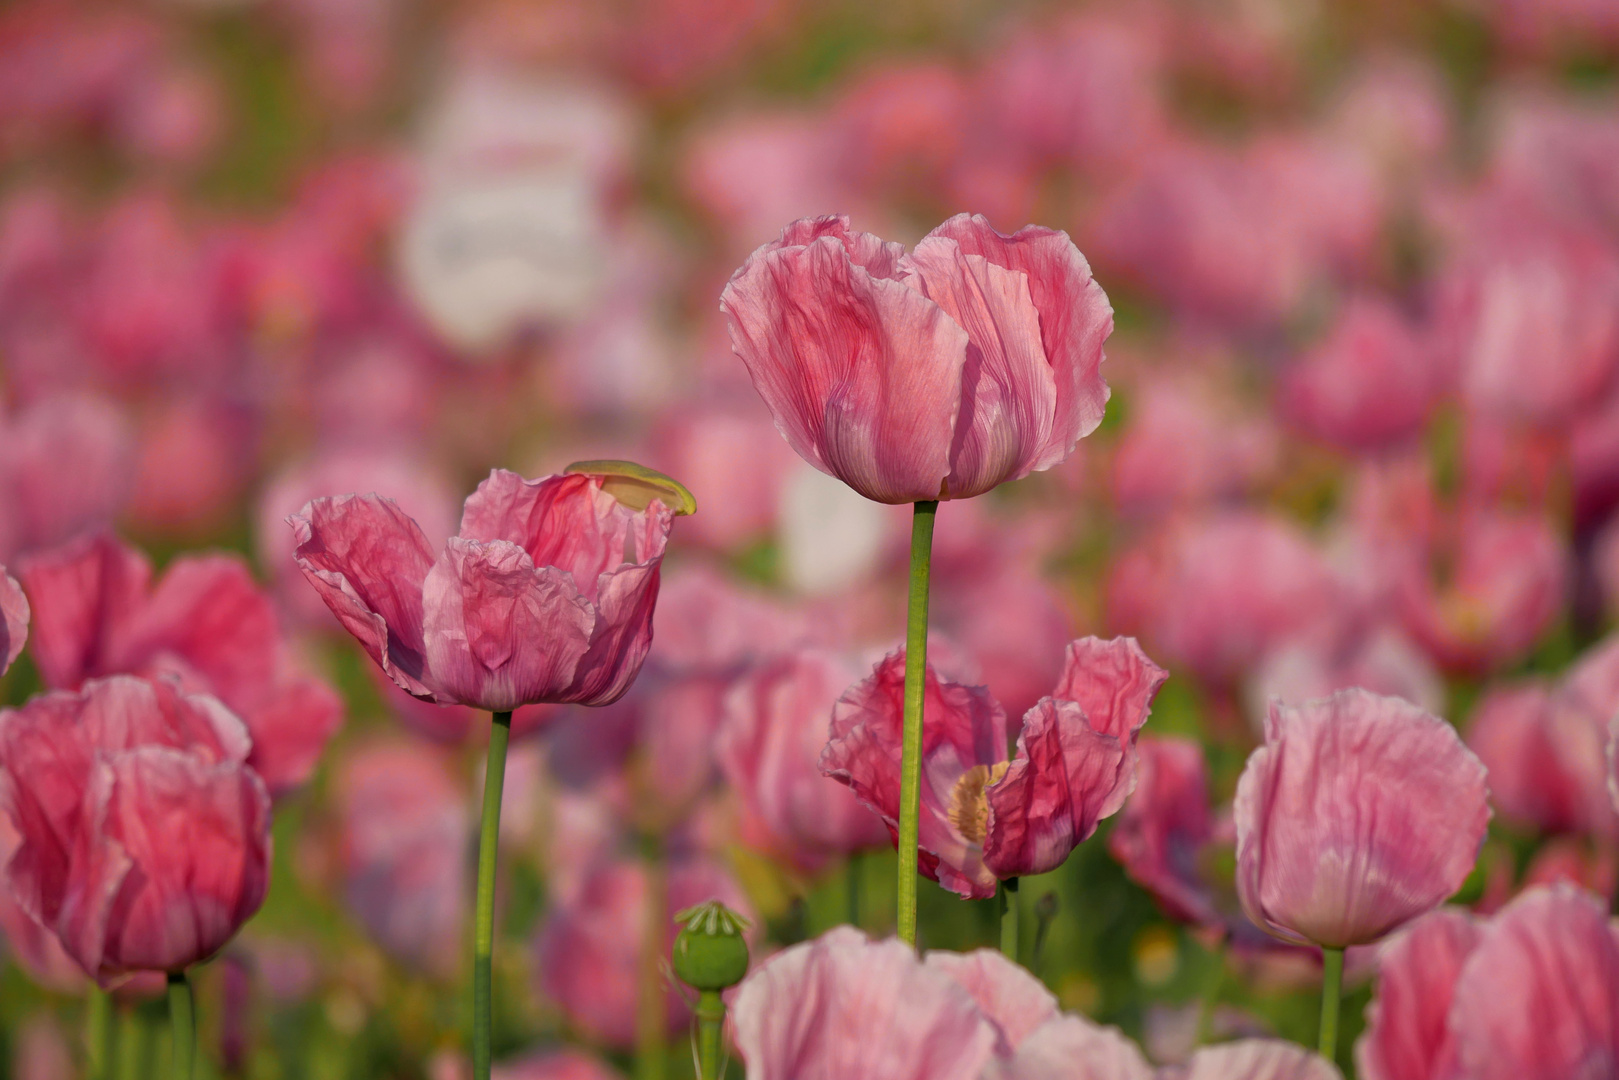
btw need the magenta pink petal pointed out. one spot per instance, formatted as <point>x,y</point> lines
<point>84,594</point>
<point>1408,1035</point>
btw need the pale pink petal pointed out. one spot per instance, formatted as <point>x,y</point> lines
<point>1259,1059</point>
<point>13,620</point>
<point>1358,814</point>
<point>1015,1000</point>
<point>1408,1036</point>
<point>1073,1048</point>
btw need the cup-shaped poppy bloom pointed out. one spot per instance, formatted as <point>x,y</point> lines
<point>935,374</point>
<point>1408,1034</point>
<point>545,595</point>
<point>205,620</point>
<point>14,617</point>
<point>1358,814</point>
<point>145,834</point>
<point>987,816</point>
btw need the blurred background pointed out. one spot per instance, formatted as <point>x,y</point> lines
<point>1364,261</point>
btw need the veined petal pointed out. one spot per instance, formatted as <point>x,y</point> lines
<point>84,594</point>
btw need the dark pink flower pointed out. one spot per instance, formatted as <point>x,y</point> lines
<point>769,746</point>
<point>844,1006</point>
<point>1538,998</point>
<point>406,830</point>
<point>145,835</point>
<point>1408,1034</point>
<point>1166,827</point>
<point>533,601</point>
<point>972,360</point>
<point>205,620</point>
<point>1358,814</point>
<point>986,817</point>
<point>64,468</point>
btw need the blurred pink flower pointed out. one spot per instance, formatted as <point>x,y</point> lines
<point>775,726</point>
<point>588,954</point>
<point>842,1005</point>
<point>1372,382</point>
<point>1163,832</point>
<point>1376,658</point>
<point>1013,999</point>
<point>1358,814</point>
<point>145,835</point>
<point>64,468</point>
<point>406,828</point>
<point>1026,384</point>
<point>733,460</point>
<point>194,458</point>
<point>205,621</point>
<point>985,817</point>
<point>41,1050</point>
<point>899,127</point>
<point>532,602</point>
<point>1255,1059</point>
<point>13,620</point>
<point>1408,1035</point>
<point>1538,998</point>
<point>1070,1047</point>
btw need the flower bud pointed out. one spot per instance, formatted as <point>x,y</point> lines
<point>710,952</point>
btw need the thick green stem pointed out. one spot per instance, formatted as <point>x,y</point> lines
<point>916,659</point>
<point>97,1033</point>
<point>710,1030</point>
<point>183,1024</point>
<point>1211,992</point>
<point>652,1006</point>
<point>483,945</point>
<point>1332,979</point>
<point>1009,914</point>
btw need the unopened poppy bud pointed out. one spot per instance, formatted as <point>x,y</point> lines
<point>710,952</point>
<point>635,486</point>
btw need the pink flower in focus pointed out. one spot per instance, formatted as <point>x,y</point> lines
<point>405,835</point>
<point>870,357</point>
<point>986,817</point>
<point>533,601</point>
<point>769,746</point>
<point>145,835</point>
<point>844,1006</point>
<point>206,621</point>
<point>1408,1035</point>
<point>1358,814</point>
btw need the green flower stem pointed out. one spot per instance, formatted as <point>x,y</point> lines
<point>916,659</point>
<point>483,945</point>
<point>1009,914</point>
<point>652,1006</point>
<point>1211,991</point>
<point>1332,979</point>
<point>710,1029</point>
<point>183,1023</point>
<point>97,1033</point>
<point>853,870</point>
<point>134,1045</point>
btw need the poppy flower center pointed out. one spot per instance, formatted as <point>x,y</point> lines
<point>969,801</point>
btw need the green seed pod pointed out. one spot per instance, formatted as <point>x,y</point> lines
<point>710,952</point>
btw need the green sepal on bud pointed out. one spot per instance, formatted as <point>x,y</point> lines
<point>710,952</point>
<point>636,485</point>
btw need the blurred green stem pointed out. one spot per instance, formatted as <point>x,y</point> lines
<point>916,660</point>
<point>97,1033</point>
<point>1211,991</point>
<point>710,1030</point>
<point>182,1023</point>
<point>1009,914</point>
<point>134,1045</point>
<point>494,782</point>
<point>852,872</point>
<point>1332,978</point>
<point>652,1008</point>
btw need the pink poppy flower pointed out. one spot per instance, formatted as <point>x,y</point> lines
<point>145,835</point>
<point>1538,998</point>
<point>1408,1034</point>
<point>533,600</point>
<point>406,832</point>
<point>871,358</point>
<point>844,1006</point>
<point>987,817</point>
<point>1358,814</point>
<point>1069,1047</point>
<point>769,746</point>
<point>1166,827</point>
<point>1017,1002</point>
<point>1255,1059</point>
<point>206,620</point>
<point>64,468</point>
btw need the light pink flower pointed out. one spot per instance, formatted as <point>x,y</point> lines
<point>1538,998</point>
<point>871,358</point>
<point>1358,814</point>
<point>1070,1047</point>
<point>533,600</point>
<point>145,835</point>
<point>769,746</point>
<point>406,829</point>
<point>1016,1001</point>
<point>1408,1034</point>
<point>843,1006</point>
<point>1255,1059</point>
<point>986,817</point>
<point>205,620</point>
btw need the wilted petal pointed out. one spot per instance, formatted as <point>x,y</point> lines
<point>499,632</point>
<point>861,372</point>
<point>1113,681</point>
<point>621,636</point>
<point>567,522</point>
<point>369,562</point>
<point>1359,813</point>
<point>1538,999</point>
<point>845,1008</point>
<point>1408,1036</point>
